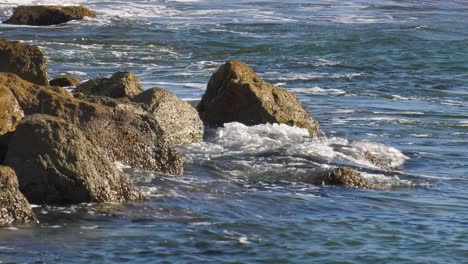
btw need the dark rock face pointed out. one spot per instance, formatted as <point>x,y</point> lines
<point>236,93</point>
<point>179,120</point>
<point>121,84</point>
<point>14,208</point>
<point>10,111</point>
<point>43,15</point>
<point>57,164</point>
<point>27,61</point>
<point>128,136</point>
<point>4,140</point>
<point>65,81</point>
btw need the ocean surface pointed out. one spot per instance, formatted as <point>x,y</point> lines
<point>386,77</point>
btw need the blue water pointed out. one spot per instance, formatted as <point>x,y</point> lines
<point>389,76</point>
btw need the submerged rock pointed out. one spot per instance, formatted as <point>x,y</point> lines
<point>65,81</point>
<point>27,61</point>
<point>346,177</point>
<point>235,93</point>
<point>10,111</point>
<point>57,164</point>
<point>133,138</point>
<point>121,84</point>
<point>45,15</point>
<point>179,120</point>
<point>14,208</point>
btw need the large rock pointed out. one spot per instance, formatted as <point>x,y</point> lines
<point>176,117</point>
<point>43,15</point>
<point>236,94</point>
<point>121,84</point>
<point>14,208</point>
<point>57,164</point>
<point>133,138</point>
<point>65,81</point>
<point>27,61</point>
<point>10,111</point>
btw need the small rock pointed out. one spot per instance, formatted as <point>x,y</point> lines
<point>348,178</point>
<point>179,120</point>
<point>26,61</point>
<point>57,164</point>
<point>14,208</point>
<point>121,84</point>
<point>235,93</point>
<point>10,111</point>
<point>45,15</point>
<point>65,81</point>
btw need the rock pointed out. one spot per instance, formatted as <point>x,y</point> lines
<point>10,111</point>
<point>57,164</point>
<point>27,61</point>
<point>65,81</point>
<point>348,178</point>
<point>127,136</point>
<point>121,84</point>
<point>14,208</point>
<point>43,15</point>
<point>236,94</point>
<point>179,120</point>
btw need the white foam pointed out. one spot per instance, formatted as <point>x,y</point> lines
<point>318,91</point>
<point>274,149</point>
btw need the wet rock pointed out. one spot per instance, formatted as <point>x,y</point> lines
<point>374,159</point>
<point>14,208</point>
<point>57,164</point>
<point>121,84</point>
<point>27,61</point>
<point>10,111</point>
<point>131,137</point>
<point>65,81</point>
<point>45,15</point>
<point>235,93</point>
<point>179,120</point>
<point>346,177</point>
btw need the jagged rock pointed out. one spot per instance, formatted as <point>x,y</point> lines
<point>27,61</point>
<point>121,84</point>
<point>57,164</point>
<point>65,81</point>
<point>14,208</point>
<point>10,111</point>
<point>176,117</point>
<point>133,138</point>
<point>45,15</point>
<point>348,178</point>
<point>235,93</point>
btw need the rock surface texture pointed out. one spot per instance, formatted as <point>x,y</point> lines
<point>46,15</point>
<point>235,93</point>
<point>65,81</point>
<point>179,120</point>
<point>348,178</point>
<point>121,84</point>
<point>26,61</point>
<point>128,136</point>
<point>57,164</point>
<point>14,208</point>
<point>10,111</point>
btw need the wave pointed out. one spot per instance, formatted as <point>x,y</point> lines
<point>273,152</point>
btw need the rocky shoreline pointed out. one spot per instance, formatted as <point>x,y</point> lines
<point>60,147</point>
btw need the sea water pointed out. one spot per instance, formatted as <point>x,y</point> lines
<point>385,77</point>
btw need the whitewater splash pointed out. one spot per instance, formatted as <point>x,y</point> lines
<point>278,152</point>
